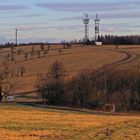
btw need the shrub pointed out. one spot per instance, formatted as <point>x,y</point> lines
<point>93,89</point>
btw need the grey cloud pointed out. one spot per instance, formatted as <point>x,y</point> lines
<point>118,15</point>
<point>28,40</point>
<point>108,15</point>
<point>78,7</point>
<point>12,7</point>
<point>71,18</point>
<point>121,27</point>
<point>39,39</point>
<point>43,28</point>
<point>23,16</point>
<point>30,15</point>
<point>4,39</point>
<point>65,27</point>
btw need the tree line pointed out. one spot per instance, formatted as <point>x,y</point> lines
<point>91,89</point>
<point>106,40</point>
<point>120,40</point>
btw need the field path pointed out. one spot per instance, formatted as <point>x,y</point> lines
<point>130,56</point>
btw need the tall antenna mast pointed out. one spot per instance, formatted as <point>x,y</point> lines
<point>86,23</point>
<point>97,27</point>
<point>16,36</point>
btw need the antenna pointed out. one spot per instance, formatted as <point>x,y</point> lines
<point>86,23</point>
<point>97,27</point>
<point>16,36</point>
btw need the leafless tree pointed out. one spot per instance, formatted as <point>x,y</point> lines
<point>57,70</point>
<point>26,56</point>
<point>51,86</point>
<point>4,76</point>
<point>45,52</point>
<point>42,47</point>
<point>19,51</point>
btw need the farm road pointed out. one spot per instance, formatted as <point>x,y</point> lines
<point>130,57</point>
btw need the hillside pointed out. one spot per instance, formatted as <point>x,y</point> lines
<point>75,60</point>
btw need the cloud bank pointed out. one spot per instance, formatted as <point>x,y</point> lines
<point>90,7</point>
<point>12,7</point>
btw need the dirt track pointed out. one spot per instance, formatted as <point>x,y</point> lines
<point>129,58</point>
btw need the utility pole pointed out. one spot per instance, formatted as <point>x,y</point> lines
<point>16,36</point>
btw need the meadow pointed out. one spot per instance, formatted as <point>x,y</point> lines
<point>20,122</point>
<point>75,60</point>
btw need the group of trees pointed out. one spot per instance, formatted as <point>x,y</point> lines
<point>5,85</point>
<point>51,86</point>
<point>106,39</point>
<point>122,40</point>
<point>7,45</point>
<point>112,39</point>
<point>91,89</point>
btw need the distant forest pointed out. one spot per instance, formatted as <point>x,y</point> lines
<point>120,40</point>
<point>115,40</point>
<point>106,40</point>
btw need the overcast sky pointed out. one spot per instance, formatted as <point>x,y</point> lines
<point>56,20</point>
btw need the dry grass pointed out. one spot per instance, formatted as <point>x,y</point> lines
<point>28,123</point>
<point>135,50</point>
<point>75,60</point>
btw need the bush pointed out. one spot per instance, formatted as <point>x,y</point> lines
<point>93,89</point>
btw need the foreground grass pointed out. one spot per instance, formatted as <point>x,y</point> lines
<point>28,123</point>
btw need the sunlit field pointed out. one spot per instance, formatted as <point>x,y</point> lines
<point>75,60</point>
<point>28,123</point>
<point>20,122</point>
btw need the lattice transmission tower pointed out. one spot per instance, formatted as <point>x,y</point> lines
<point>86,23</point>
<point>97,27</point>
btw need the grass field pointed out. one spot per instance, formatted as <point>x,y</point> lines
<point>19,122</point>
<point>75,60</point>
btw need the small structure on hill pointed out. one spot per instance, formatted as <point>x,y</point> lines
<point>97,43</point>
<point>109,107</point>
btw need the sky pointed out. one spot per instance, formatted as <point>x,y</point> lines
<point>59,20</point>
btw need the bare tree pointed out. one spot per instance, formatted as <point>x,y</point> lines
<point>19,51</point>
<point>42,47</point>
<point>51,86</point>
<point>57,70</point>
<point>45,52</point>
<point>60,51</point>
<point>26,56</point>
<point>4,73</point>
<point>22,71</point>
<point>48,47</point>
<point>38,54</point>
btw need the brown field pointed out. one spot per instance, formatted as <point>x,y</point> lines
<point>19,122</point>
<point>28,123</point>
<point>75,60</point>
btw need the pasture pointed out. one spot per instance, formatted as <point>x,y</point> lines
<point>75,60</point>
<point>22,122</point>
<point>29,123</point>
